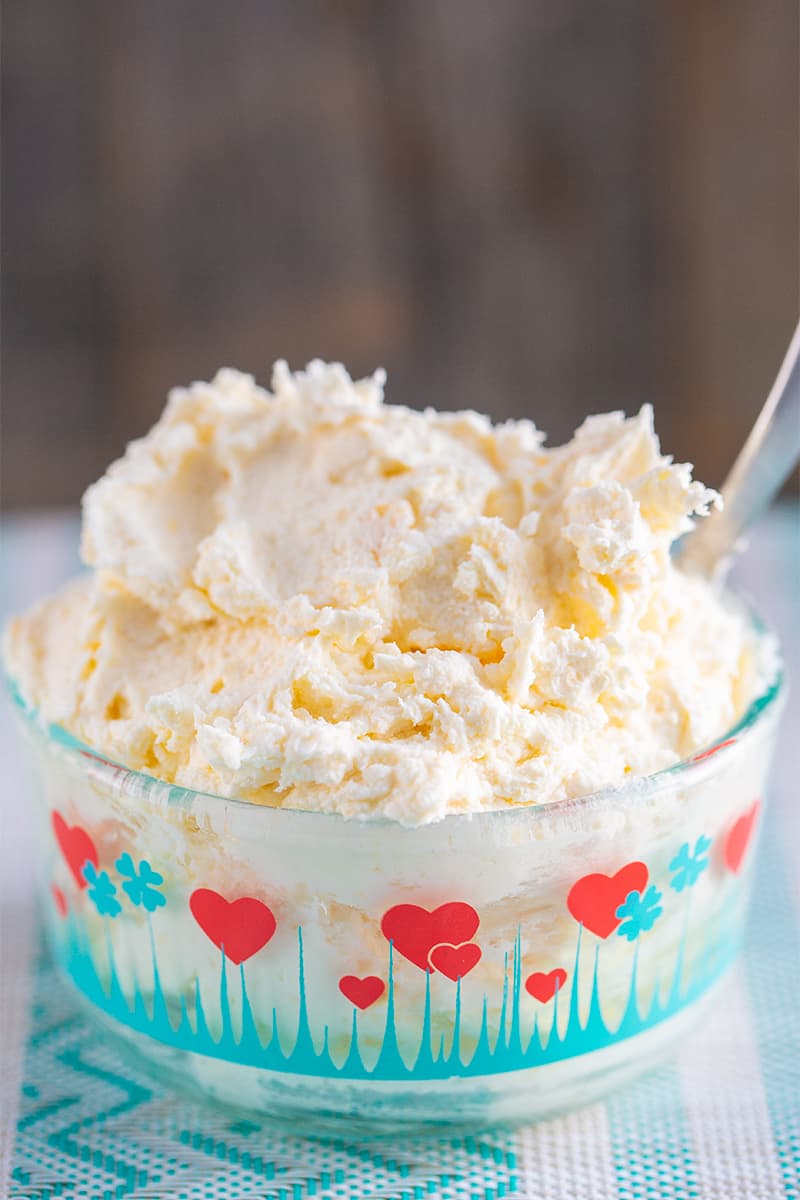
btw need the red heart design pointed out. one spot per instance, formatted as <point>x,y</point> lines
<point>76,846</point>
<point>738,837</point>
<point>414,931</point>
<point>714,750</point>
<point>238,927</point>
<point>544,986</point>
<point>594,900</point>
<point>60,900</point>
<point>455,961</point>
<point>362,992</point>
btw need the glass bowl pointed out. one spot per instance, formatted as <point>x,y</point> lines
<point>364,976</point>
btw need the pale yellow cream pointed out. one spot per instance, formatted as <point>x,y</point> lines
<point>311,599</point>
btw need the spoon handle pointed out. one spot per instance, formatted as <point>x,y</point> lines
<point>763,463</point>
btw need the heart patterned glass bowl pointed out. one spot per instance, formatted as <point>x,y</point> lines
<point>361,975</point>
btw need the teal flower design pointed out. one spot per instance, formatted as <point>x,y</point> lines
<point>689,864</point>
<point>639,913</point>
<point>141,886</point>
<point>102,892</point>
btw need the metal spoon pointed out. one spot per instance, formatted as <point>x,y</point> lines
<point>765,460</point>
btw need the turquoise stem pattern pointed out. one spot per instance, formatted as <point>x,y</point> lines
<point>187,1028</point>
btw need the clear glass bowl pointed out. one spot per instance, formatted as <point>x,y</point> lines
<point>494,968</point>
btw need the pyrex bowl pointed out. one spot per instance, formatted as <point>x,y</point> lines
<point>499,967</point>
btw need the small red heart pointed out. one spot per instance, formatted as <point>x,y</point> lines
<point>594,900</point>
<point>362,992</point>
<point>414,931</point>
<point>237,927</point>
<point>76,846</point>
<point>714,750</point>
<point>738,838</point>
<point>60,900</point>
<point>455,961</point>
<point>544,986</point>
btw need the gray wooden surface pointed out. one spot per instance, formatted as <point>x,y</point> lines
<point>530,208</point>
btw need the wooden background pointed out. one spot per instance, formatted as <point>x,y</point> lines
<point>532,207</point>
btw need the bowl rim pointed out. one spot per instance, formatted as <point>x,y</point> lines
<point>704,760</point>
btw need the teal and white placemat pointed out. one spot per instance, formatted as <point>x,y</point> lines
<point>721,1123</point>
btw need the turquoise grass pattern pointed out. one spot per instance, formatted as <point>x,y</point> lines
<point>507,1051</point>
<point>93,1125</point>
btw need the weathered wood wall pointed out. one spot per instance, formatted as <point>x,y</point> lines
<point>540,208</point>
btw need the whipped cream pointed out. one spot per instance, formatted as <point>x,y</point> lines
<point>307,598</point>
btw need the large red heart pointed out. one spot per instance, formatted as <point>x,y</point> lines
<point>738,838</point>
<point>544,986</point>
<point>414,931</point>
<point>362,992</point>
<point>76,846</point>
<point>455,961</point>
<point>594,900</point>
<point>238,927</point>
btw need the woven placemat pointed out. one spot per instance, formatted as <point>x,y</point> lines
<point>93,1125</point>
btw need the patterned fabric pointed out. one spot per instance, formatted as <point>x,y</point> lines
<point>91,1124</point>
<point>721,1123</point>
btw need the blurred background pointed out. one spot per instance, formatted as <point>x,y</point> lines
<point>540,209</point>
